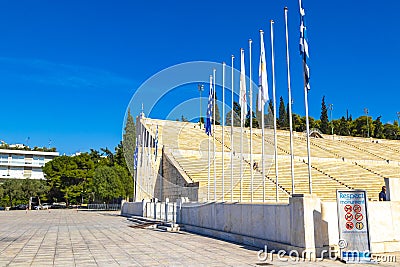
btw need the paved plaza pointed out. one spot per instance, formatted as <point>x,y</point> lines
<point>88,238</point>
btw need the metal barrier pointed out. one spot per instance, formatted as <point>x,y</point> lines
<point>104,206</point>
<point>165,211</point>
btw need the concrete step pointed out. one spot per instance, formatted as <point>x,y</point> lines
<point>141,222</point>
<point>169,227</point>
<point>144,219</point>
<point>149,223</point>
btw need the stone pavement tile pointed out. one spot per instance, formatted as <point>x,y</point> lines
<point>18,264</point>
<point>84,262</point>
<point>41,264</point>
<point>71,238</point>
<point>107,263</point>
<point>21,260</point>
<point>87,264</point>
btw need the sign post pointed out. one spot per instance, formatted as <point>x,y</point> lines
<point>354,239</point>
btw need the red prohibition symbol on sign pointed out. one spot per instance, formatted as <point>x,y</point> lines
<point>357,208</point>
<point>349,225</point>
<point>358,216</point>
<point>347,208</point>
<point>349,216</point>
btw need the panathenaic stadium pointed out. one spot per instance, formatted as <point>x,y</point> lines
<point>216,198</point>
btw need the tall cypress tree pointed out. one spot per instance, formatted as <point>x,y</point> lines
<point>258,113</point>
<point>236,115</point>
<point>282,120</point>
<point>271,108</point>
<point>324,127</point>
<point>269,117</point>
<point>217,114</point>
<point>129,141</point>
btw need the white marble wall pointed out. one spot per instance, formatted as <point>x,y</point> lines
<point>305,223</point>
<point>392,189</point>
<point>280,226</point>
<point>132,208</point>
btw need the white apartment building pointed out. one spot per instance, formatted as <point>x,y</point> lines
<point>22,164</point>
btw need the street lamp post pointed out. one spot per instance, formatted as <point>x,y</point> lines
<point>398,117</point>
<point>366,113</point>
<point>201,89</point>
<point>331,109</point>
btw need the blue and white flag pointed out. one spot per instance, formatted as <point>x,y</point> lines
<point>209,109</point>
<point>156,145</point>
<point>262,76</point>
<point>304,45</point>
<point>135,155</point>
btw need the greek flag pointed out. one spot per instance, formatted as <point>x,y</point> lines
<point>304,45</point>
<point>135,155</point>
<point>156,145</point>
<point>209,109</point>
<point>262,76</point>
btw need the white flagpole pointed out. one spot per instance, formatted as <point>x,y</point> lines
<point>242,117</point>
<point>262,132</point>
<point>142,167</point>
<point>251,125</point>
<point>289,102</point>
<point>223,132</point>
<point>137,167</point>
<point>232,135</point>
<point>308,135</point>
<point>262,150</point>
<point>241,158</point>
<point>215,159</point>
<point>209,164</point>
<point>146,159</point>
<point>274,96</point>
<point>306,88</point>
<point>149,169</point>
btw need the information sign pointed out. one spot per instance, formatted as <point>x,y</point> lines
<point>352,212</point>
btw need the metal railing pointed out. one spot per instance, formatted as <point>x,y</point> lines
<point>104,206</point>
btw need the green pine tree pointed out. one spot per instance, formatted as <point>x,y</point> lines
<point>378,129</point>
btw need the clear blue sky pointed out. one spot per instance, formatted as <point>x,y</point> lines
<point>69,68</point>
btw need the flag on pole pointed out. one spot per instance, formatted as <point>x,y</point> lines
<point>209,109</point>
<point>135,155</point>
<point>243,100</point>
<point>156,145</point>
<point>262,76</point>
<point>304,45</point>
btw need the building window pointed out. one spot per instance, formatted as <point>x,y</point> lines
<point>3,158</point>
<point>38,160</point>
<point>17,159</point>
<point>3,171</point>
